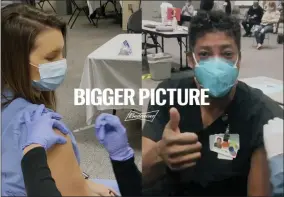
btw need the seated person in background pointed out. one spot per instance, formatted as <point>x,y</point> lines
<point>253,17</point>
<point>228,7</point>
<point>177,158</point>
<point>187,12</point>
<point>33,66</point>
<point>270,17</point>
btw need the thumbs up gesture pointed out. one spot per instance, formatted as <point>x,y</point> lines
<point>178,150</point>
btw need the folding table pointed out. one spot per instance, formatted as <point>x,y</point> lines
<point>105,68</point>
<point>180,33</point>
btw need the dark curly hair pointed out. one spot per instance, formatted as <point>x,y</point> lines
<point>213,21</point>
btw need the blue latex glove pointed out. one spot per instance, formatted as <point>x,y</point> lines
<point>40,128</point>
<point>112,135</point>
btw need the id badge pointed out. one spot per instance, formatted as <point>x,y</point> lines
<point>220,156</point>
<point>211,145</point>
<point>226,149</point>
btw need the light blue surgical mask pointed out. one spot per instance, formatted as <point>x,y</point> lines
<point>216,74</point>
<point>52,74</point>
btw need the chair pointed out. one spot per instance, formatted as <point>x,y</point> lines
<point>134,25</point>
<point>79,8</point>
<point>41,4</point>
<point>281,20</point>
<point>30,2</point>
<point>99,11</point>
<point>237,13</point>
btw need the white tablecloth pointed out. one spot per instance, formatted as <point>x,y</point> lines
<point>271,87</point>
<point>104,68</point>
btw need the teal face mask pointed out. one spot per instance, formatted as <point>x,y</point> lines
<point>52,74</point>
<point>216,74</point>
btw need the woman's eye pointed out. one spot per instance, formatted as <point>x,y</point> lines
<point>50,59</point>
<point>203,54</point>
<point>228,54</point>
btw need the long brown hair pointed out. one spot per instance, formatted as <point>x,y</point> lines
<point>20,26</point>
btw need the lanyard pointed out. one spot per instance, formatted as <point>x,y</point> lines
<point>227,131</point>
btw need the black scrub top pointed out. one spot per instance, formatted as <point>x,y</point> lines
<point>247,113</point>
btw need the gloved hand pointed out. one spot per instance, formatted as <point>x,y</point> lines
<point>40,128</point>
<point>273,137</point>
<point>112,135</point>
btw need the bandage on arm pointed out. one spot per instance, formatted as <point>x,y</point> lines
<point>66,171</point>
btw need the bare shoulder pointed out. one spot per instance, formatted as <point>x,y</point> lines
<point>65,169</point>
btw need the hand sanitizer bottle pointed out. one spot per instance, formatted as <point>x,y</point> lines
<point>174,23</point>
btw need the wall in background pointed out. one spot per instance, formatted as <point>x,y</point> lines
<point>151,9</point>
<point>59,6</point>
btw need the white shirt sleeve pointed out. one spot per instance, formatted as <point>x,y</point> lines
<point>273,137</point>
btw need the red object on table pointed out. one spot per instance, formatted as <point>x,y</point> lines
<point>173,12</point>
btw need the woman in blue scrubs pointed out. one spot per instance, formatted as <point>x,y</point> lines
<point>109,132</point>
<point>32,67</point>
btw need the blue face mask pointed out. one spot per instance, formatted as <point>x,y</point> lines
<point>51,75</point>
<point>216,74</point>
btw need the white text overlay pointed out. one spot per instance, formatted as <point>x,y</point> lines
<point>120,97</point>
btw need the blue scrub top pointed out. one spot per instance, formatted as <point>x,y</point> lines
<point>14,133</point>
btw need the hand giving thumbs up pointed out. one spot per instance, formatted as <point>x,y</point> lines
<point>178,150</point>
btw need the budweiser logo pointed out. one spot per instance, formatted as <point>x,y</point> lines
<point>148,116</point>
